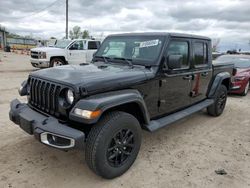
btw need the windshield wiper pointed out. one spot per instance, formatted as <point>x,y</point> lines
<point>104,58</point>
<point>129,61</point>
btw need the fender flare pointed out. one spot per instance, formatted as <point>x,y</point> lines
<point>108,100</point>
<point>217,81</point>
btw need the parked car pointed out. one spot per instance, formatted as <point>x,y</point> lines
<point>241,77</point>
<point>135,81</point>
<point>64,52</point>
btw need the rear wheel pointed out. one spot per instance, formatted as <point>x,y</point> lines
<point>220,100</point>
<point>113,144</point>
<point>56,62</point>
<point>245,90</point>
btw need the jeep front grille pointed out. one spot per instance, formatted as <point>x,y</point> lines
<point>44,95</point>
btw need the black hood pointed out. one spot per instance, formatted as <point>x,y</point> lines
<point>95,77</point>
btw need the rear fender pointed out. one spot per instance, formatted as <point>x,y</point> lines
<point>221,78</point>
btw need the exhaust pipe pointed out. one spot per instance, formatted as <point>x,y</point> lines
<point>57,141</point>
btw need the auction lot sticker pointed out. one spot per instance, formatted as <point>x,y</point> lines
<point>149,43</point>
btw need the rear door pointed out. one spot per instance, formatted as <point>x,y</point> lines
<point>202,69</point>
<point>91,49</point>
<point>175,85</point>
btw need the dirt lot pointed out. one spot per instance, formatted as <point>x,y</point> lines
<point>185,154</point>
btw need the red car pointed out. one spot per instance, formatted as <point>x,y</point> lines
<point>241,74</point>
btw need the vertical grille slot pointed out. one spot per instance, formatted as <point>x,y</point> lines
<point>57,92</point>
<point>36,92</point>
<point>39,94</point>
<point>52,98</point>
<point>44,95</point>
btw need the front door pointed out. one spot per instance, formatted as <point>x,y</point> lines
<point>77,53</point>
<point>175,85</point>
<point>202,70</point>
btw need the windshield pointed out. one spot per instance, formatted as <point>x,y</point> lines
<point>136,49</point>
<point>62,43</point>
<point>238,61</point>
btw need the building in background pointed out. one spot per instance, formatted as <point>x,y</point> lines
<point>21,43</point>
<point>3,36</point>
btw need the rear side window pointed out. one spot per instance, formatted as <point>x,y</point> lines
<point>93,45</point>
<point>200,53</point>
<point>179,48</point>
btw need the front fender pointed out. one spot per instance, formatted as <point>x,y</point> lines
<point>108,100</point>
<point>217,81</point>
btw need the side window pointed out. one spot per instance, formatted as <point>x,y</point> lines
<point>93,45</point>
<point>78,45</point>
<point>180,48</point>
<point>200,53</point>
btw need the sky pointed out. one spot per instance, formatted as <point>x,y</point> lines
<point>227,20</point>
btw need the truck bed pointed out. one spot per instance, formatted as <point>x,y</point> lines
<point>222,67</point>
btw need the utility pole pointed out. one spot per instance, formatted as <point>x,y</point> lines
<point>67,15</point>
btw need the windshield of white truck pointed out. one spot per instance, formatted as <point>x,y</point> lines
<point>62,43</point>
<point>133,49</point>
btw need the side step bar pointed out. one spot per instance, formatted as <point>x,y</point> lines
<point>165,121</point>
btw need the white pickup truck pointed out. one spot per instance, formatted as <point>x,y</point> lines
<point>64,52</point>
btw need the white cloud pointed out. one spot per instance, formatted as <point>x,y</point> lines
<point>225,19</point>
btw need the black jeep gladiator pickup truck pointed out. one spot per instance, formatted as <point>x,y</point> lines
<point>135,81</point>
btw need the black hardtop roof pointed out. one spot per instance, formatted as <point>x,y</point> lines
<point>182,35</point>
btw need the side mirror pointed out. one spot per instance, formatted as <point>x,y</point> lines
<point>174,61</point>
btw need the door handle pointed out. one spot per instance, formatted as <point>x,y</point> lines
<point>204,74</point>
<point>188,77</point>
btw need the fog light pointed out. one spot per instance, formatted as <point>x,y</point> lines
<point>87,114</point>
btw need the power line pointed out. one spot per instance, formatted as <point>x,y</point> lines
<point>39,11</point>
<point>52,11</point>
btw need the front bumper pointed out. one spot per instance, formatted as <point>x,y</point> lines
<point>45,129</point>
<point>39,63</point>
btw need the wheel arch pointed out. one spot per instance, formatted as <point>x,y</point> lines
<point>223,78</point>
<point>133,108</point>
<point>129,101</point>
<point>59,57</point>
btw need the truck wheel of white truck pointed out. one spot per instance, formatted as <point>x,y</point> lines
<point>56,62</point>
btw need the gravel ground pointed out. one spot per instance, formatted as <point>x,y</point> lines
<point>186,154</point>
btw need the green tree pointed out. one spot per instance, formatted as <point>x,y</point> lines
<point>75,33</point>
<point>85,34</point>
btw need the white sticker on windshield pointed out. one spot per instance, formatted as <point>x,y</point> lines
<point>149,43</point>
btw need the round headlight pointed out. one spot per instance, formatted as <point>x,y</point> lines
<point>70,96</point>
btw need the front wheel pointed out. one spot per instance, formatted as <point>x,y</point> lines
<point>246,90</point>
<point>220,100</point>
<point>113,144</point>
<point>56,62</point>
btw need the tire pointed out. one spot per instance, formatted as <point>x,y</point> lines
<point>246,90</point>
<point>56,62</point>
<point>220,98</point>
<point>103,154</point>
